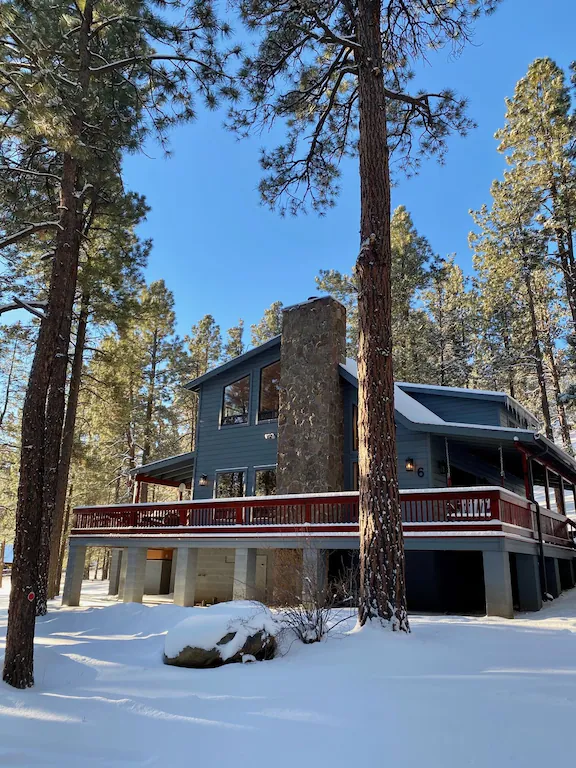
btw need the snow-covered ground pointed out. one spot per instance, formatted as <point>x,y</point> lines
<point>457,692</point>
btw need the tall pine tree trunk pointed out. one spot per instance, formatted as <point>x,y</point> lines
<point>382,572</point>
<point>555,376</point>
<point>149,412</point>
<point>55,569</point>
<point>537,351</point>
<point>18,661</point>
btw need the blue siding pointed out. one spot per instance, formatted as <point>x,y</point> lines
<point>414,445</point>
<point>462,410</point>
<point>237,446</point>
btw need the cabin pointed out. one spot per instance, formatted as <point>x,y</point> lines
<point>484,495</point>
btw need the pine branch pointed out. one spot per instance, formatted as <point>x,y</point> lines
<point>41,226</point>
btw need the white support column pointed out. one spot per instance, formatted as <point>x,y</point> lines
<point>185,578</point>
<point>498,584</point>
<point>135,574</point>
<point>314,573</point>
<point>74,575</point>
<point>115,565</point>
<point>244,574</point>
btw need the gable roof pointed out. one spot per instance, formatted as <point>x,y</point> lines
<point>199,380</point>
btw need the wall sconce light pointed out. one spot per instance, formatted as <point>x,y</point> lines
<point>203,480</point>
<point>409,465</point>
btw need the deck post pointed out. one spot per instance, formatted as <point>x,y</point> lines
<point>74,575</point>
<point>314,573</point>
<point>185,576</point>
<point>498,584</point>
<point>115,565</point>
<point>554,585</point>
<point>528,576</point>
<point>135,573</point>
<point>244,574</point>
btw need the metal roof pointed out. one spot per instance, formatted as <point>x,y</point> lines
<point>176,469</point>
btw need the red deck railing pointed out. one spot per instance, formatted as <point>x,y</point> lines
<point>488,508</point>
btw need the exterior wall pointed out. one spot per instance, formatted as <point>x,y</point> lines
<point>233,446</point>
<point>311,423</point>
<point>409,444</point>
<point>463,410</point>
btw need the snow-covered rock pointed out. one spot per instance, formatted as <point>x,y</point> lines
<point>237,631</point>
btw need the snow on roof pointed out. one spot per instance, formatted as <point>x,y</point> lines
<point>406,406</point>
<point>412,410</point>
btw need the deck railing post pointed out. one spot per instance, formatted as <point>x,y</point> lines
<point>183,517</point>
<point>307,513</point>
<point>133,517</point>
<point>239,515</point>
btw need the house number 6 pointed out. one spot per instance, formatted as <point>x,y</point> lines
<point>420,472</point>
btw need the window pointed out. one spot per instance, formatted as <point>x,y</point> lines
<point>265,484</point>
<point>269,392</point>
<point>355,428</point>
<point>230,485</point>
<point>236,402</point>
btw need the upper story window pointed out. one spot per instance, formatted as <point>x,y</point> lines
<point>236,402</point>
<point>269,392</point>
<point>355,429</point>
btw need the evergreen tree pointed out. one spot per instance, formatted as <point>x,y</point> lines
<point>539,140</point>
<point>411,261</point>
<point>451,330</point>
<point>234,345</point>
<point>79,86</point>
<point>269,326</point>
<point>336,72</point>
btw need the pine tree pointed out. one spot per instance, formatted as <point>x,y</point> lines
<point>337,74</point>
<point>79,87</point>
<point>538,139</point>
<point>411,261</point>
<point>234,345</point>
<point>269,326</point>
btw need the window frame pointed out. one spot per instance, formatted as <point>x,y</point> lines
<point>222,424</point>
<point>226,471</point>
<point>258,419</point>
<point>354,419</point>
<point>265,468</point>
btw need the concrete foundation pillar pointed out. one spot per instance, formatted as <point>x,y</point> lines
<point>553,576</point>
<point>135,574</point>
<point>185,576</point>
<point>244,574</point>
<point>122,577</point>
<point>498,584</point>
<point>173,569</point>
<point>115,564</point>
<point>74,575</point>
<point>314,574</point>
<point>528,576</point>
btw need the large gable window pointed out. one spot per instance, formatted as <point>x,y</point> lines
<point>269,392</point>
<point>236,402</point>
<point>230,485</point>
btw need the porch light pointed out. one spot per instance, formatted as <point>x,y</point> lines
<point>203,480</point>
<point>409,465</point>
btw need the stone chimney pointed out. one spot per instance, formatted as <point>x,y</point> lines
<point>311,420</point>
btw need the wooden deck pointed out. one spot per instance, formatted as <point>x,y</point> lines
<point>447,511</point>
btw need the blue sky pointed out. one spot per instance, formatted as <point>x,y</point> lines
<point>221,252</point>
